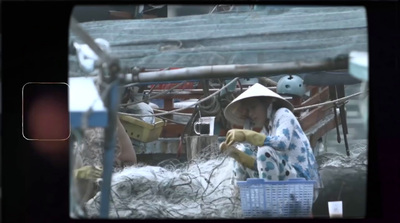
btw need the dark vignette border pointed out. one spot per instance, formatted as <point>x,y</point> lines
<point>35,37</point>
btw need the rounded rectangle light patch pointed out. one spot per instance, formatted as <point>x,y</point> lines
<point>45,115</point>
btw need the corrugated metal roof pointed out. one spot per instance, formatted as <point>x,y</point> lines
<point>258,36</point>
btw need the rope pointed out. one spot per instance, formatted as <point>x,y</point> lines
<point>156,95</point>
<point>180,109</point>
<point>328,102</point>
<point>177,113</point>
<point>212,109</point>
<point>218,91</point>
<point>173,121</point>
<point>130,85</point>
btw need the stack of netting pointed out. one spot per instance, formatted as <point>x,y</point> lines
<point>358,158</point>
<point>200,188</point>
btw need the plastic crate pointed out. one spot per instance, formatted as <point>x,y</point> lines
<point>291,198</point>
<point>140,130</point>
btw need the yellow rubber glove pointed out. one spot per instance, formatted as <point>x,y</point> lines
<point>239,156</point>
<point>88,173</point>
<point>241,135</point>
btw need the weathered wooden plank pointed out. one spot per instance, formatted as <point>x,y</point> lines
<point>313,117</point>
<point>317,97</point>
<point>172,130</point>
<point>322,129</point>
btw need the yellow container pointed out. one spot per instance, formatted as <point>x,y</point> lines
<point>141,130</point>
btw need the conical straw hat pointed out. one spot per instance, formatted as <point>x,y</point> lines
<point>257,90</point>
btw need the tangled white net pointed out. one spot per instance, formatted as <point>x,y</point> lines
<point>200,188</point>
<point>358,158</point>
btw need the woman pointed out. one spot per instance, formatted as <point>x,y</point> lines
<point>280,151</point>
<point>89,158</point>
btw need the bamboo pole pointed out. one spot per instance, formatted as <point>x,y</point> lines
<point>242,70</point>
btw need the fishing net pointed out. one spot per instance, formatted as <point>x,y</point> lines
<point>344,179</point>
<point>197,189</point>
<point>90,149</point>
<point>358,158</point>
<point>200,188</point>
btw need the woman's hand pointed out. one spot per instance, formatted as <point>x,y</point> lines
<point>224,148</point>
<point>88,173</point>
<point>239,156</point>
<point>241,135</point>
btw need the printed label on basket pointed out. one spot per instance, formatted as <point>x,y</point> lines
<point>276,199</point>
<point>335,209</point>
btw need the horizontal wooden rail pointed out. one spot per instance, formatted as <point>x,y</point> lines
<point>317,98</point>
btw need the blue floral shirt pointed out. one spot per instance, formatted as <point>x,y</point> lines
<point>285,134</point>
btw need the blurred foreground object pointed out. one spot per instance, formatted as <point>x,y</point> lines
<point>358,68</point>
<point>88,173</point>
<point>86,57</point>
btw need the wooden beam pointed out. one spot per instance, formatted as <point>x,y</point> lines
<point>296,101</point>
<point>313,117</point>
<point>168,106</point>
<point>172,130</point>
<point>322,130</point>
<point>313,90</point>
<point>120,14</point>
<point>317,98</point>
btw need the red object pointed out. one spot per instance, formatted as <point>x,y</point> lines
<point>188,85</point>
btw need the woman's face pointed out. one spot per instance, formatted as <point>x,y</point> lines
<point>255,110</point>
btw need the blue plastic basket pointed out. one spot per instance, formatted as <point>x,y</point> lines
<point>291,198</point>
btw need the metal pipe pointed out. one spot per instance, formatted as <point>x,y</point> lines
<point>267,82</point>
<point>242,70</point>
<point>112,103</point>
<point>333,96</point>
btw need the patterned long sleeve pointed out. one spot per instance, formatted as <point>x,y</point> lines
<point>287,137</point>
<point>283,129</point>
